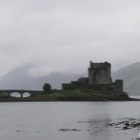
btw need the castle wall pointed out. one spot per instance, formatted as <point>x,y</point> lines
<point>99,73</point>
<point>99,78</point>
<point>115,87</point>
<point>119,84</point>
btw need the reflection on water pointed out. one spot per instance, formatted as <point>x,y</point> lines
<point>97,128</point>
<point>70,120</point>
<point>136,97</point>
<point>16,94</point>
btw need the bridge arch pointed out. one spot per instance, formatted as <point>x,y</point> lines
<point>19,95</point>
<point>8,93</point>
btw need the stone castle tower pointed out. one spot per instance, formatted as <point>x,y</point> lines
<point>99,73</point>
<point>99,78</point>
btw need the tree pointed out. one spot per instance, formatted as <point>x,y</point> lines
<point>47,88</point>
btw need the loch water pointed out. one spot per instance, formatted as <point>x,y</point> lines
<point>68,120</point>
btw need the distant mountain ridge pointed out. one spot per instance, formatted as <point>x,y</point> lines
<point>19,78</point>
<point>131,76</point>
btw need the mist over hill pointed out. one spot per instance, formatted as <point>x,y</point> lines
<point>131,76</point>
<point>19,78</point>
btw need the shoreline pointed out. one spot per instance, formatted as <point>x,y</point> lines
<point>30,99</point>
<point>71,95</point>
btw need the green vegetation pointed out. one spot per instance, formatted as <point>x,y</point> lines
<point>47,88</point>
<point>80,95</point>
<point>71,95</point>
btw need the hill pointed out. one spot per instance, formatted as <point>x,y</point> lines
<point>19,78</point>
<point>131,76</point>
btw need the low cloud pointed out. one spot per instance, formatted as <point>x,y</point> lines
<point>65,35</point>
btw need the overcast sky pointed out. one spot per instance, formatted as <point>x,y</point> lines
<point>64,35</point>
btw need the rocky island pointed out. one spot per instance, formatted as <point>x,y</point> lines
<point>98,85</point>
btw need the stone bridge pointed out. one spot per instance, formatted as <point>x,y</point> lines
<point>6,93</point>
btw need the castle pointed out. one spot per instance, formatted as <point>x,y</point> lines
<point>99,73</point>
<point>99,78</point>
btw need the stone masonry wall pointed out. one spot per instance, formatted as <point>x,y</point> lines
<point>100,73</point>
<point>99,79</point>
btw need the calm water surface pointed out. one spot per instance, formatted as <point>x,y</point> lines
<point>67,120</point>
